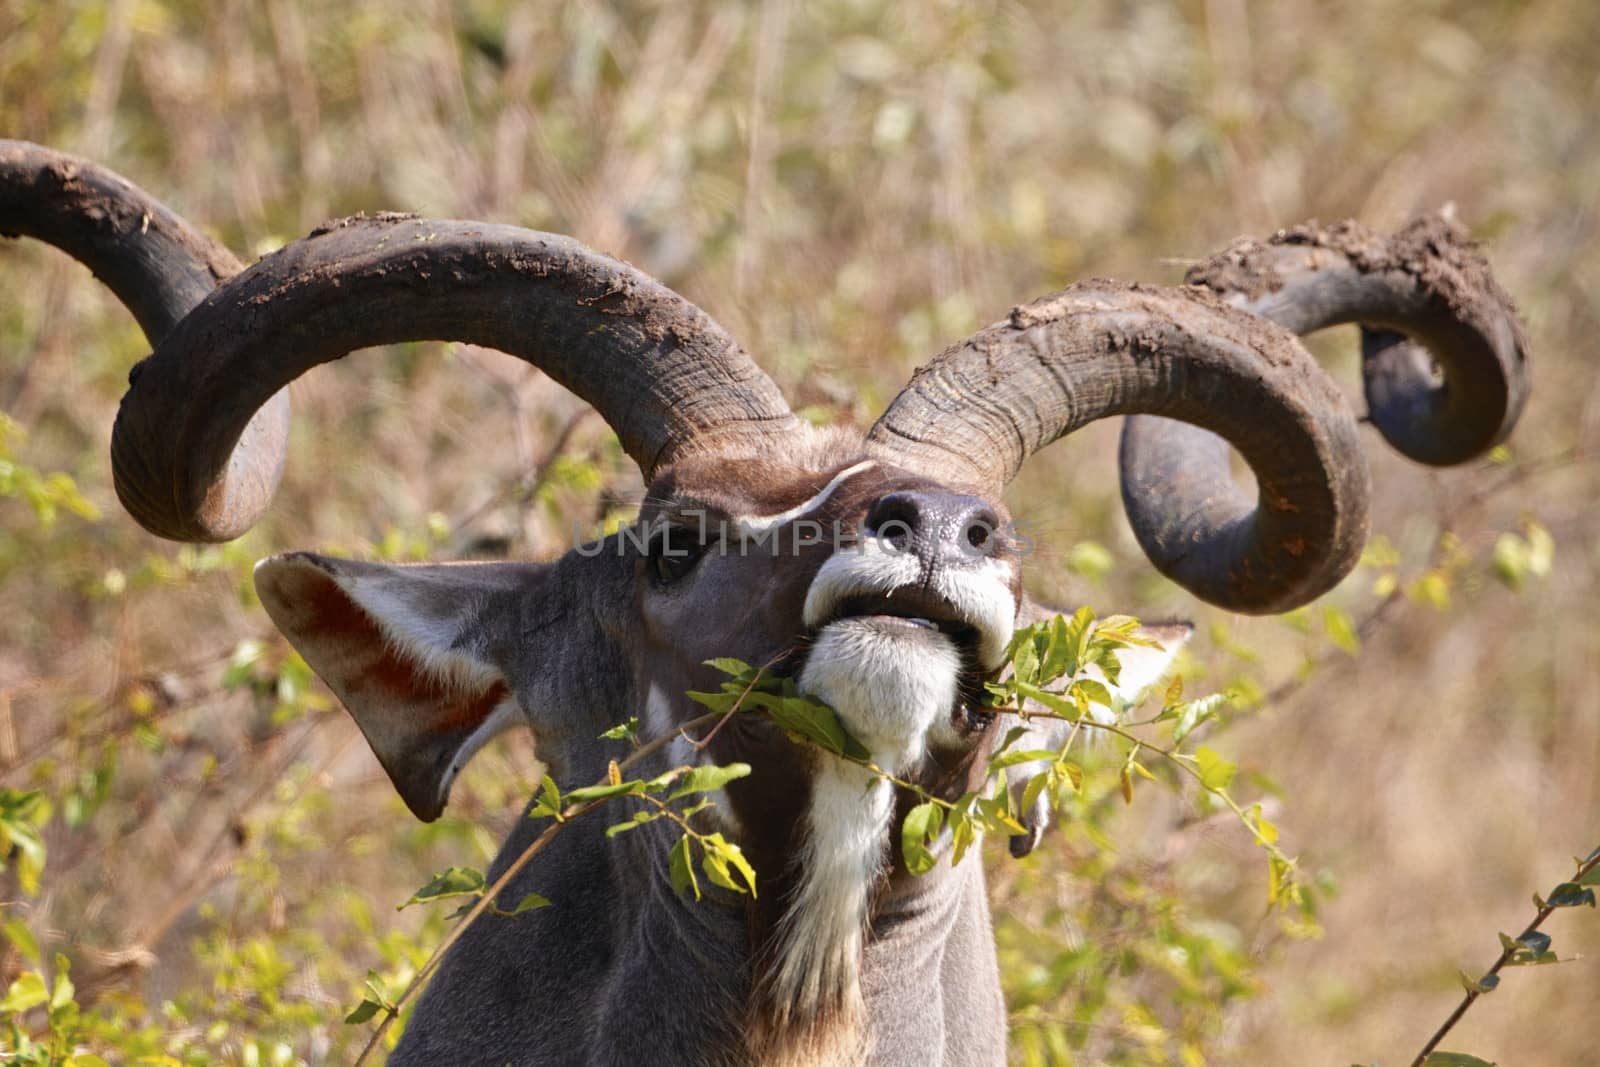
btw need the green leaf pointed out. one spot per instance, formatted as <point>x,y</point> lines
<point>1122,627</point>
<point>588,793</point>
<point>963,835</point>
<point>1516,559</point>
<point>1068,780</point>
<point>1534,941</point>
<point>1036,785</point>
<point>1053,701</point>
<point>1174,692</point>
<point>1340,630</point>
<point>451,882</point>
<point>638,820</point>
<point>708,779</point>
<point>738,668</point>
<point>721,703</point>
<point>1486,984</point>
<point>1570,895</point>
<point>1280,880</point>
<point>1013,735</point>
<point>1093,691</point>
<point>1529,950</point>
<point>1455,1059</point>
<point>1433,588</point>
<point>1077,638</point>
<point>1001,694</point>
<point>1511,560</point>
<point>26,992</point>
<point>721,858</point>
<point>1216,773</point>
<point>61,995</point>
<point>996,815</point>
<point>1011,759</point>
<point>627,731</point>
<point>1025,664</point>
<point>1193,714</point>
<point>680,866</point>
<point>549,803</point>
<point>1264,828</point>
<point>527,903</point>
<point>921,826</point>
<point>1104,655</point>
<point>21,812</point>
<point>21,937</point>
<point>810,720</point>
<point>363,1011</point>
<point>1058,651</point>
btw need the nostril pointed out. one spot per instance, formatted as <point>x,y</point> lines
<point>933,522</point>
<point>979,529</point>
<point>894,519</point>
<point>895,532</point>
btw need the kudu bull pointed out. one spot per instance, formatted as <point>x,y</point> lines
<point>842,956</point>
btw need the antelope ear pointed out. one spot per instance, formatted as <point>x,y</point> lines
<point>1140,669</point>
<point>409,650</point>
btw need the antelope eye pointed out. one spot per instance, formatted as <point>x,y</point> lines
<point>673,553</point>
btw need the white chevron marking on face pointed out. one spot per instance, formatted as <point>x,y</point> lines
<point>756,526</point>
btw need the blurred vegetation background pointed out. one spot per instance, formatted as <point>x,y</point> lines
<point>848,186</point>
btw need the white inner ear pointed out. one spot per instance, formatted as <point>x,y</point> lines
<point>1142,668</point>
<point>425,639</point>
<point>505,715</point>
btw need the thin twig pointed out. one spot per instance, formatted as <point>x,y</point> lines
<point>492,892</point>
<point>1506,955</point>
<point>737,704</point>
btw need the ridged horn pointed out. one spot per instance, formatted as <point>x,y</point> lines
<point>666,377</point>
<point>157,264</point>
<point>1443,352</point>
<point>154,261</point>
<point>976,412</point>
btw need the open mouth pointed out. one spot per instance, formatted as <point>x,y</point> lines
<point>917,608</point>
<point>898,620</point>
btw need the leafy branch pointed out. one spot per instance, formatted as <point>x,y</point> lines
<point>1528,948</point>
<point>48,494</point>
<point>1054,664</point>
<point>561,810</point>
<point>1065,666</point>
<point>1062,669</point>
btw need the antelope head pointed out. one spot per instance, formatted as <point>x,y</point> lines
<point>879,570</point>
